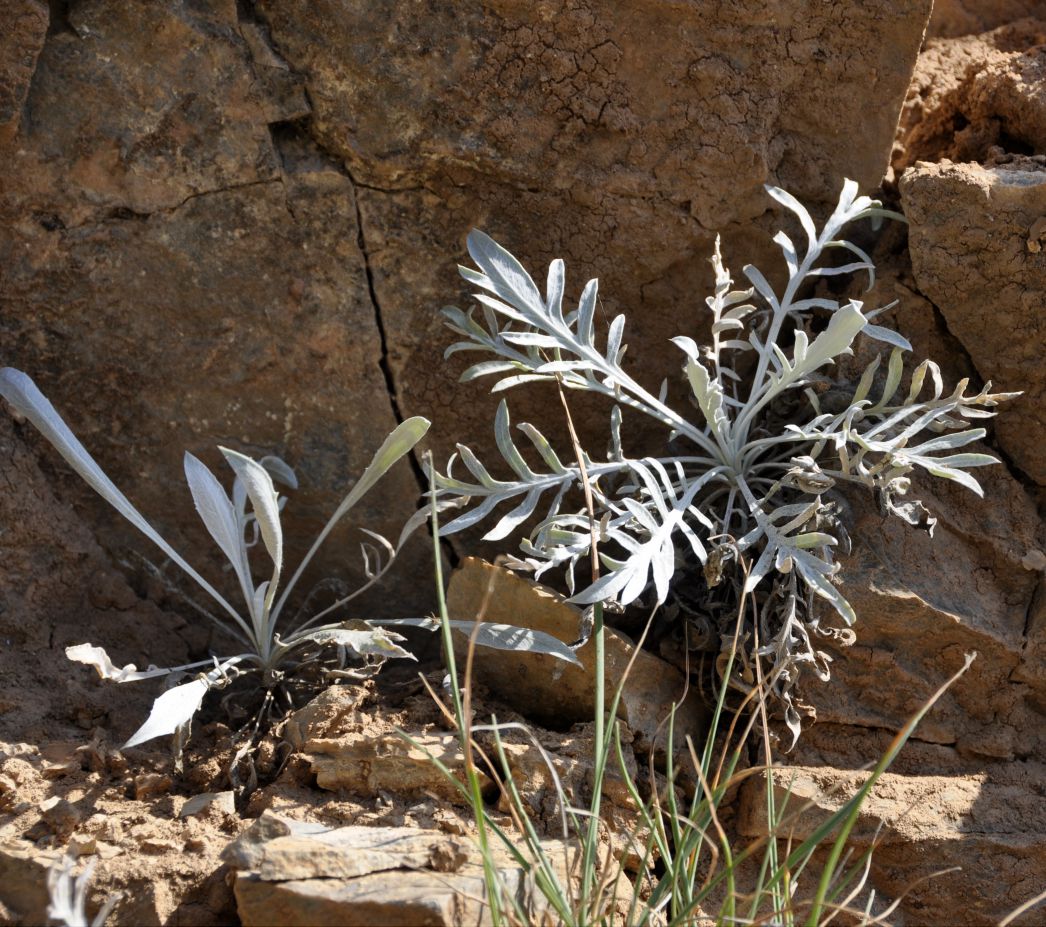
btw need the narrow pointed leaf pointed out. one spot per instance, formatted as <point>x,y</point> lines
<point>258,483</point>
<point>22,393</point>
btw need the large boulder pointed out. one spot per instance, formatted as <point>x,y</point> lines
<point>234,222</point>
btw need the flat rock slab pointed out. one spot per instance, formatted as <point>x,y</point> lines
<point>550,690</point>
<point>291,873</point>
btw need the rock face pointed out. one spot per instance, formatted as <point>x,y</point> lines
<point>951,18</point>
<point>179,274</point>
<point>234,222</point>
<point>368,757</point>
<point>543,122</point>
<point>972,822</point>
<point>978,245</point>
<point>26,28</point>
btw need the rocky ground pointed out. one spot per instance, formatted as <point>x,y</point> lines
<point>332,159</point>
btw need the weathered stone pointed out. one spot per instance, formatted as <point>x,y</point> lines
<point>368,765</point>
<point>292,873</point>
<point>975,256</point>
<point>546,125</point>
<point>550,690</point>
<point>221,803</point>
<point>368,759</point>
<point>923,603</point>
<point>25,27</point>
<point>965,821</point>
<point>972,95</point>
<point>23,880</point>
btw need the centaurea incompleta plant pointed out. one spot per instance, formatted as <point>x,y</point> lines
<point>751,473</point>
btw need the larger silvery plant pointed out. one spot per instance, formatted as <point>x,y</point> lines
<point>749,467</point>
<point>280,649</point>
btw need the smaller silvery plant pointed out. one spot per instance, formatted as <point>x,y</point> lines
<point>283,657</point>
<point>743,493</point>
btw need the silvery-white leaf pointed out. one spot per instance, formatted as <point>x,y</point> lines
<point>262,493</point>
<point>220,519</point>
<point>888,336</point>
<point>495,636</point>
<point>516,639</point>
<point>22,393</point>
<point>516,517</point>
<point>280,470</point>
<point>816,578</point>
<point>503,439</point>
<point>554,291</point>
<point>542,446</point>
<point>587,312</point>
<point>375,642</point>
<point>761,285</point>
<point>616,333</point>
<point>791,203</point>
<point>511,281</point>
<point>171,711</point>
<point>99,659</point>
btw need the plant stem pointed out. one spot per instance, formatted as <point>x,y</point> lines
<point>490,877</point>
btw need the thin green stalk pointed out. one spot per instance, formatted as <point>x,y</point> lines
<point>588,858</point>
<point>601,746</point>
<point>490,876</point>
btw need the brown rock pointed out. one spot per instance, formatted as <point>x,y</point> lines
<point>369,765</point>
<point>146,785</point>
<point>209,803</point>
<point>295,873</point>
<point>23,880</point>
<point>25,27</point>
<point>952,18</point>
<point>923,603</point>
<point>970,228</point>
<point>548,126</point>
<point>550,690</point>
<point>969,95</point>
<point>965,790</point>
<point>182,258</point>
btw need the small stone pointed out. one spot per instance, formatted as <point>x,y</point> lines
<point>223,803</point>
<point>1034,560</point>
<point>82,845</point>
<point>149,784</point>
<point>157,847</point>
<point>289,872</point>
<point>60,759</point>
<point>60,817</point>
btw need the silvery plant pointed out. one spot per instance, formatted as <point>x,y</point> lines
<point>743,494</point>
<point>279,655</point>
